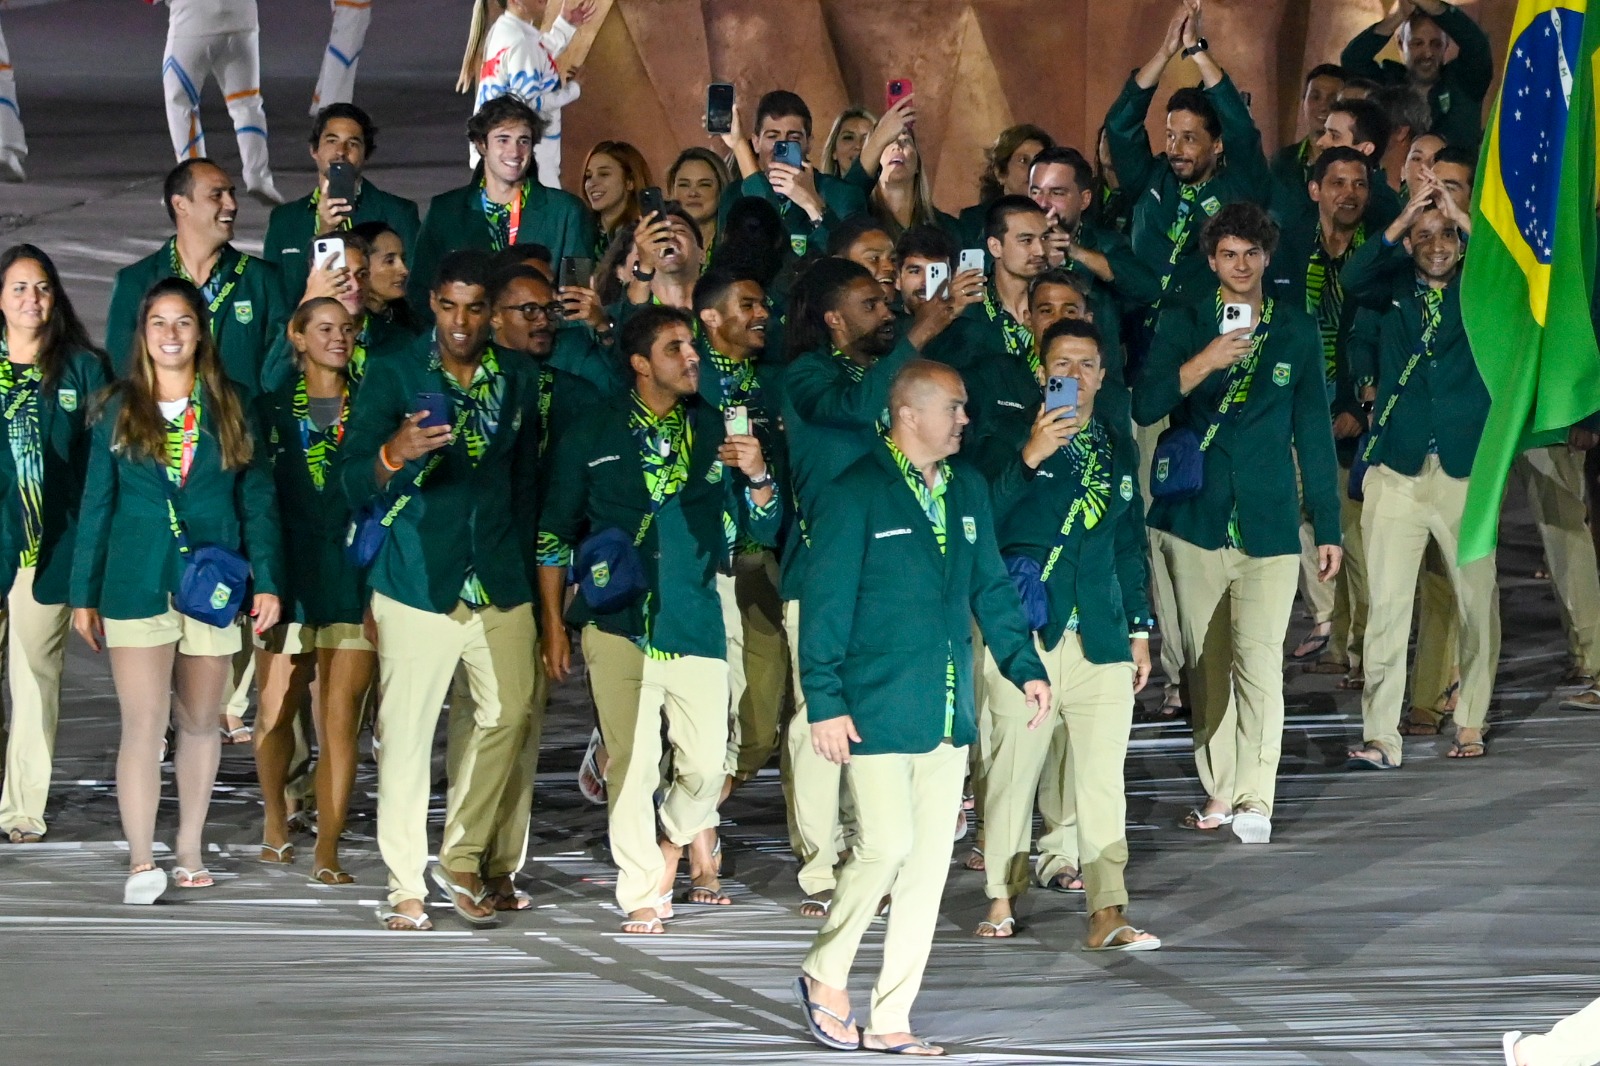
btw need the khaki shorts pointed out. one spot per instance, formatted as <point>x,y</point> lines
<point>192,636</point>
<point>293,638</point>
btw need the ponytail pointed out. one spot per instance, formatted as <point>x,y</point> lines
<point>472,61</point>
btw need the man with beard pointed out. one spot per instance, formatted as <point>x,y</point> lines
<point>1454,90</point>
<point>669,263</point>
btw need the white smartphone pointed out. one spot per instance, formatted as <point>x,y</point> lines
<point>736,420</point>
<point>972,259</point>
<point>328,252</point>
<point>1236,316</point>
<point>934,277</point>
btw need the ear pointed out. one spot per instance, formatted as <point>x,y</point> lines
<point>834,320</point>
<point>1085,199</point>
<point>710,319</point>
<point>1315,189</point>
<point>993,244</point>
<point>639,365</point>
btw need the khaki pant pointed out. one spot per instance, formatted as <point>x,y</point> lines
<point>507,831</point>
<point>1575,1041</point>
<point>36,647</point>
<point>1344,600</point>
<point>758,661</point>
<point>1094,704</point>
<point>1554,480</point>
<point>1058,840</point>
<point>818,814</point>
<point>1163,600</point>
<point>418,654</point>
<point>1438,636</point>
<point>1233,612</point>
<point>631,691</point>
<point>906,805</point>
<point>1402,514</point>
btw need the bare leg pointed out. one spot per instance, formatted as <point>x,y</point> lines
<point>143,678</point>
<point>344,678</point>
<point>283,682</point>
<point>199,683</point>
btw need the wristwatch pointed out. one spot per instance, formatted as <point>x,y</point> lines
<point>761,482</point>
<point>639,275</point>
<point>1196,48</point>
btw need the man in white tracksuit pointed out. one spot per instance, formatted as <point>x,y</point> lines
<point>337,83</point>
<point>13,146</point>
<point>221,39</point>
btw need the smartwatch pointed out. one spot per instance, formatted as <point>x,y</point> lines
<point>1196,48</point>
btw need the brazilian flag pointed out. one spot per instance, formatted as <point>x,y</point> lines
<point>1529,276</point>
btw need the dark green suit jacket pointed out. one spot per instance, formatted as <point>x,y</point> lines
<point>480,517</point>
<point>383,338</point>
<point>292,226</point>
<point>1457,98</point>
<point>1250,464</point>
<point>126,562</point>
<point>883,610</point>
<point>840,200</point>
<point>245,326</point>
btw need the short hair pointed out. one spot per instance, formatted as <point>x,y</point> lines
<point>852,229</point>
<point>466,266</point>
<point>997,157</point>
<point>369,131</point>
<point>1371,125</point>
<point>503,111</point>
<point>518,254</point>
<point>1072,327</point>
<point>502,280</point>
<point>714,285</point>
<point>1340,154</point>
<point>781,103</point>
<point>1324,70</point>
<point>913,379</point>
<point>817,292</point>
<point>1404,107</point>
<point>1461,157</point>
<point>925,241</point>
<point>1366,85</point>
<point>1195,101</point>
<point>639,333</point>
<point>1418,16</point>
<point>1244,220</point>
<point>673,209</point>
<point>180,182</point>
<point>1061,155</point>
<point>1059,276</point>
<point>997,220</point>
<point>351,239</point>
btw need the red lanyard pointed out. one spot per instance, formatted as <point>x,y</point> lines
<point>515,222</point>
<point>191,435</point>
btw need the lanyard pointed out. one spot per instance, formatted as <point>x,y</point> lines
<point>191,437</point>
<point>1238,390</point>
<point>1432,316</point>
<point>1080,502</point>
<point>221,297</point>
<point>515,224</point>
<point>1018,339</point>
<point>317,451</point>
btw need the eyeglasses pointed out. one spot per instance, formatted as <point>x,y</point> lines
<point>530,311</point>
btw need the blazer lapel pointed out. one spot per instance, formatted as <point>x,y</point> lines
<point>905,500</point>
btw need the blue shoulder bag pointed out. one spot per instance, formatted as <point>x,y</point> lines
<point>1178,466</point>
<point>215,579</point>
<point>369,526</point>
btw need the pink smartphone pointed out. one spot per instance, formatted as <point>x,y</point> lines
<point>898,90</point>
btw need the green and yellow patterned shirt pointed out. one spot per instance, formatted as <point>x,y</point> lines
<point>931,500</point>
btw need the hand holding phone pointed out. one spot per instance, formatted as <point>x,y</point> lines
<point>971,259</point>
<point>719,108</point>
<point>1236,316</point>
<point>342,182</point>
<point>788,153</point>
<point>897,90</point>
<point>1061,394</point>
<point>935,274</point>
<point>328,253</point>
<point>736,421</point>
<point>437,408</point>
<point>651,202</point>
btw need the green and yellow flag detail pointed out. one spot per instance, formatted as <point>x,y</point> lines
<point>1529,276</point>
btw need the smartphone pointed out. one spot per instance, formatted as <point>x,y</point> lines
<point>788,153</point>
<point>936,274</point>
<point>651,202</point>
<point>342,182</point>
<point>1059,393</point>
<point>328,252</point>
<point>719,107</point>
<point>898,90</point>
<point>972,259</point>
<point>736,420</point>
<point>1236,316</point>
<point>436,406</point>
<point>576,271</point>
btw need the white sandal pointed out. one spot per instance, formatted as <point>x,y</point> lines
<point>144,887</point>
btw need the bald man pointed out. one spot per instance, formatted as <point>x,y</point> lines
<point>1426,28</point>
<point>904,557</point>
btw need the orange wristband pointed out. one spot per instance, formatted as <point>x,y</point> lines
<point>383,457</point>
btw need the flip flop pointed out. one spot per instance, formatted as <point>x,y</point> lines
<point>187,878</point>
<point>282,856</point>
<point>974,860</point>
<point>718,899</point>
<point>905,1049</point>
<point>590,781</point>
<point>1508,1044</point>
<point>825,904</point>
<point>647,927</point>
<point>817,1033</point>
<point>1195,816</point>
<point>1110,942</point>
<point>24,836</point>
<point>1317,642</point>
<point>1354,761</point>
<point>1004,923</point>
<point>416,925</point>
<point>1458,750</point>
<point>451,889</point>
<point>1252,827</point>
<point>338,877</point>
<point>1068,874</point>
<point>231,737</point>
<point>144,887</point>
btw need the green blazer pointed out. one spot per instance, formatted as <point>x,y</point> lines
<point>1446,401</point>
<point>970,226</point>
<point>1250,465</point>
<point>556,219</point>
<point>291,227</point>
<point>380,338</point>
<point>246,324</point>
<point>63,426</point>
<point>829,421</point>
<point>1148,178</point>
<point>884,611</point>
<point>126,561</point>
<point>1101,571</point>
<point>1456,99</point>
<point>840,200</point>
<point>597,482</point>
<point>480,517</point>
<point>319,586</point>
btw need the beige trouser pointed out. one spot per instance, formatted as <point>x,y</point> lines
<point>1438,636</point>
<point>507,831</point>
<point>758,661</point>
<point>1575,1041</point>
<point>631,691</point>
<point>1554,480</point>
<point>1233,612</point>
<point>1058,839</point>
<point>1094,703</point>
<point>36,647</point>
<point>1342,601</point>
<point>818,813</point>
<point>906,805</point>
<point>1163,600</point>
<point>418,654</point>
<point>1402,514</point>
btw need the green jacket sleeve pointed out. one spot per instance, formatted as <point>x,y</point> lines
<point>430,247</point>
<point>526,481</point>
<point>818,398</point>
<point>256,497</point>
<point>562,517</point>
<point>1368,278</point>
<point>1135,283</point>
<point>1133,575</point>
<point>94,517</point>
<point>1473,66</point>
<point>996,606</point>
<point>1313,444</point>
<point>828,600</point>
<point>1242,138</point>
<point>1360,56</point>
<point>1158,390</point>
<point>120,324</point>
<point>379,408</point>
<point>1361,348</point>
<point>1128,140</point>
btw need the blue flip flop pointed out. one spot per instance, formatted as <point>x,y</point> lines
<point>906,1049</point>
<point>817,1032</point>
<point>1355,762</point>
